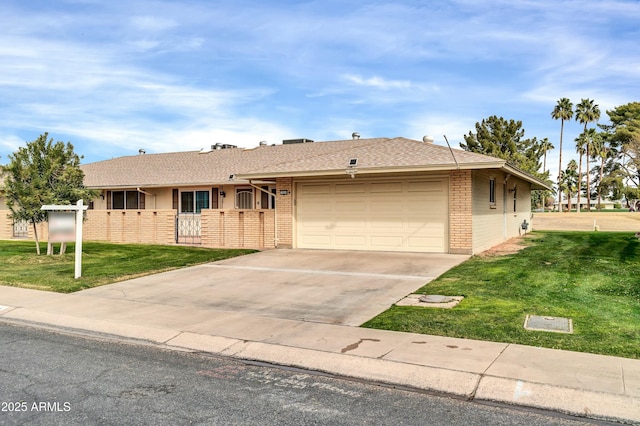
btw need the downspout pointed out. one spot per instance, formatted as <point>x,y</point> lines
<point>148,193</point>
<point>504,205</point>
<point>275,213</point>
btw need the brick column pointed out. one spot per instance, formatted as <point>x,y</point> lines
<point>284,211</point>
<point>460,212</point>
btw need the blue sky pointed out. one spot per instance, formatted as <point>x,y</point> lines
<point>113,77</point>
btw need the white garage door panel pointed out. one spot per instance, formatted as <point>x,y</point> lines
<point>316,241</point>
<point>391,215</point>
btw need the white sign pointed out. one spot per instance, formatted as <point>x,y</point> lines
<point>62,227</point>
<point>78,209</point>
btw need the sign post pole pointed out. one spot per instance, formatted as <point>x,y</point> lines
<point>79,213</point>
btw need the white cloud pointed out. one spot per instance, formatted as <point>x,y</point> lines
<point>377,82</point>
<point>152,23</point>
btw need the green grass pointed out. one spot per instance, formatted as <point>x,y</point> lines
<point>593,278</point>
<point>102,263</point>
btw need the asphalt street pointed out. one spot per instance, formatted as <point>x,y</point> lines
<point>49,378</point>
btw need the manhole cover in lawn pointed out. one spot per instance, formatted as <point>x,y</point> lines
<point>553,324</point>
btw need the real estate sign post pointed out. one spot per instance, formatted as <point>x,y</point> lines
<point>63,226</point>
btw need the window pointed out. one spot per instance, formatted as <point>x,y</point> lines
<point>194,201</point>
<point>515,197</point>
<point>492,192</point>
<point>268,201</point>
<point>125,200</point>
<point>244,198</point>
<point>215,193</point>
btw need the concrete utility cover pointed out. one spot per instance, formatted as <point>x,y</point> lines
<point>553,324</point>
<point>430,301</point>
<point>436,298</point>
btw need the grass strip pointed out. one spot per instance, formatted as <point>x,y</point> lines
<point>591,277</point>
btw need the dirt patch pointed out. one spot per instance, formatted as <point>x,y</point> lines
<point>511,246</point>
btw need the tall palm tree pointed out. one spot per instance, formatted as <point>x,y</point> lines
<point>587,112</point>
<point>562,111</point>
<point>569,181</point>
<point>545,145</point>
<point>600,149</point>
<point>581,148</point>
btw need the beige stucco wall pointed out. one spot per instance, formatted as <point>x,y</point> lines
<point>495,224</point>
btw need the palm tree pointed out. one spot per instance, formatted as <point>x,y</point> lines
<point>600,150</point>
<point>581,147</point>
<point>562,111</point>
<point>587,112</point>
<point>569,182</point>
<point>545,145</point>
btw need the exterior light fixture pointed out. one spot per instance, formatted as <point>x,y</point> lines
<point>284,192</point>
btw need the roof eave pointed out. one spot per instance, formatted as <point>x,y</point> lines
<point>373,170</point>
<point>172,185</point>
<point>535,182</point>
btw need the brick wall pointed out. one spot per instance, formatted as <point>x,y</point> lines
<point>238,228</point>
<point>460,212</point>
<point>6,225</point>
<point>284,207</point>
<point>130,226</point>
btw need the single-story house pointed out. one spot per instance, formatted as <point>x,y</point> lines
<point>604,204</point>
<point>388,194</point>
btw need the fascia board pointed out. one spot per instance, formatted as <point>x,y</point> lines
<point>399,169</point>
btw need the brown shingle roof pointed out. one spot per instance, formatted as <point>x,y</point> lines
<point>317,158</point>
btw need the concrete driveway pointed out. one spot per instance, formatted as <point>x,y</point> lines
<point>333,287</point>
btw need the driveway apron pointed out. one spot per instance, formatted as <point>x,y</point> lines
<point>325,286</point>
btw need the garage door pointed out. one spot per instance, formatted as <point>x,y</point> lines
<point>390,215</point>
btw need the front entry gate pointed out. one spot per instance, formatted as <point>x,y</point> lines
<point>188,228</point>
<point>20,229</point>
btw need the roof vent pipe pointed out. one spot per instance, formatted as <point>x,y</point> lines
<point>355,135</point>
<point>263,143</point>
<point>141,151</point>
<point>427,139</point>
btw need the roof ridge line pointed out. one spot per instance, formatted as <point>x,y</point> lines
<point>324,154</point>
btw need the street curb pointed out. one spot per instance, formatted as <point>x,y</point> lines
<point>575,402</point>
<point>454,383</point>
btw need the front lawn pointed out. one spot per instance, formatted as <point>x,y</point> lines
<point>102,263</point>
<point>591,277</point>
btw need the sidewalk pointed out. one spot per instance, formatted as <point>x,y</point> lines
<point>593,386</point>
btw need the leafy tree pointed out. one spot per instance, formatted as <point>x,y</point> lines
<point>504,139</point>
<point>625,135</point>
<point>42,173</point>
<point>500,138</point>
<point>562,111</point>
<point>587,112</point>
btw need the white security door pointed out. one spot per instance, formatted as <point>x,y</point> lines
<point>386,215</point>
